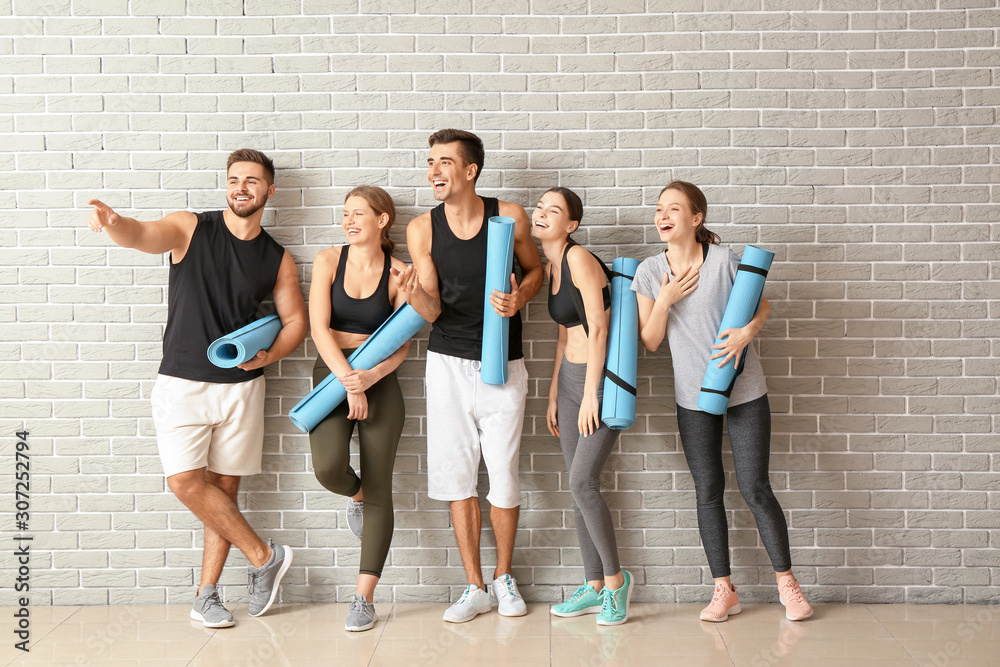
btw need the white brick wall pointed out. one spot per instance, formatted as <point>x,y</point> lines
<point>857,139</point>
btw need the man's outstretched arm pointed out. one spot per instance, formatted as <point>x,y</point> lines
<point>157,237</point>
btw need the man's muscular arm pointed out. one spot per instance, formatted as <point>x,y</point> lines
<point>170,234</point>
<point>292,311</point>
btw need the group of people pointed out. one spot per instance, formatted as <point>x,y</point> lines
<point>209,420</point>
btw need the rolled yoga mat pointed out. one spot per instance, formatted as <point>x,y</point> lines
<point>618,406</point>
<point>240,346</point>
<point>496,329</point>
<point>744,300</point>
<point>400,327</point>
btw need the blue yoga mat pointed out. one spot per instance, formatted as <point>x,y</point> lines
<point>496,329</point>
<point>241,345</point>
<point>744,301</point>
<point>618,406</point>
<point>400,327</point>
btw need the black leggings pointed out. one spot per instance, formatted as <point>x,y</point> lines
<point>749,427</point>
<point>379,434</point>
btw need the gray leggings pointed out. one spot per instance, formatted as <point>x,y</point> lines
<point>749,427</point>
<point>585,458</point>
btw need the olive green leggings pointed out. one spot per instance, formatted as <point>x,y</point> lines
<point>379,434</point>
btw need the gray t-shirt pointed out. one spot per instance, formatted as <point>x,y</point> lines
<point>693,323</point>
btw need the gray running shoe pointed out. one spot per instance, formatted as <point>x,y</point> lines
<point>361,615</point>
<point>263,581</point>
<point>209,610</point>
<point>355,516</point>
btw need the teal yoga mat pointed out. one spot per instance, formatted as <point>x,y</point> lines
<point>496,329</point>
<point>241,345</point>
<point>744,301</point>
<point>400,327</point>
<point>618,406</point>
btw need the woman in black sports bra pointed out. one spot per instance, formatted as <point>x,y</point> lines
<point>579,300</point>
<point>351,295</point>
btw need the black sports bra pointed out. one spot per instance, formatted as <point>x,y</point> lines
<point>361,316</point>
<point>562,305</point>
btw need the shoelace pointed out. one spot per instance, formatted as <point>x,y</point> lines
<point>610,600</point>
<point>579,594</point>
<point>356,605</point>
<point>251,575</point>
<point>793,593</point>
<point>465,595</point>
<point>355,509</point>
<point>214,598</point>
<point>721,595</point>
<point>508,582</point>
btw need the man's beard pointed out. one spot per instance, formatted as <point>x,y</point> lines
<point>246,209</point>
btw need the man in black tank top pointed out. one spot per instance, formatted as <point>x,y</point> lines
<point>209,420</point>
<point>467,418</point>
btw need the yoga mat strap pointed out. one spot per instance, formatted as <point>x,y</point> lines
<point>727,393</point>
<point>620,382</point>
<point>752,269</point>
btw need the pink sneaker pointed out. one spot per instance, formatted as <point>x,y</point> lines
<point>724,603</point>
<point>797,608</point>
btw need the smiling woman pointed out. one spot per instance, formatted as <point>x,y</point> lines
<point>674,304</point>
<point>351,296</point>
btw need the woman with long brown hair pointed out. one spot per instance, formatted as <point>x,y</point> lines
<point>682,294</point>
<point>351,295</point>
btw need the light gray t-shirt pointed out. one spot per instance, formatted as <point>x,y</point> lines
<point>693,323</point>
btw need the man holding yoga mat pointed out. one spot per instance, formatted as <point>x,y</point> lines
<point>467,418</point>
<point>210,420</point>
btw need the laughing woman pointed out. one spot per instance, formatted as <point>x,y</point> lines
<point>682,294</point>
<point>577,281</point>
<point>351,295</point>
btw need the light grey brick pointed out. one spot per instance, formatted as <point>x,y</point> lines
<point>856,144</point>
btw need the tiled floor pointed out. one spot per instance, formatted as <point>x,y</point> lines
<point>413,634</point>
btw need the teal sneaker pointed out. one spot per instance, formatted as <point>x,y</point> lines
<point>584,601</point>
<point>614,611</point>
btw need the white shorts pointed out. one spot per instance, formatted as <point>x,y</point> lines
<point>467,418</point>
<point>214,425</point>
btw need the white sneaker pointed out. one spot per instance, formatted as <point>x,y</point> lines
<point>474,601</point>
<point>509,600</point>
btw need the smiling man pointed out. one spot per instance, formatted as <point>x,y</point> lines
<point>466,418</point>
<point>209,420</point>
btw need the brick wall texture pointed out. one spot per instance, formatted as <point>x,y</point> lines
<point>857,139</point>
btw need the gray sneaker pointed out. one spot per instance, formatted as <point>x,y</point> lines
<point>263,581</point>
<point>361,615</point>
<point>355,516</point>
<point>209,610</point>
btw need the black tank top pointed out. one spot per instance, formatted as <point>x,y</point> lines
<point>563,304</point>
<point>215,290</point>
<point>361,316</point>
<point>461,269</point>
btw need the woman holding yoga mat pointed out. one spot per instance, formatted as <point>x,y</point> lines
<point>579,302</point>
<point>682,294</point>
<point>350,296</point>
